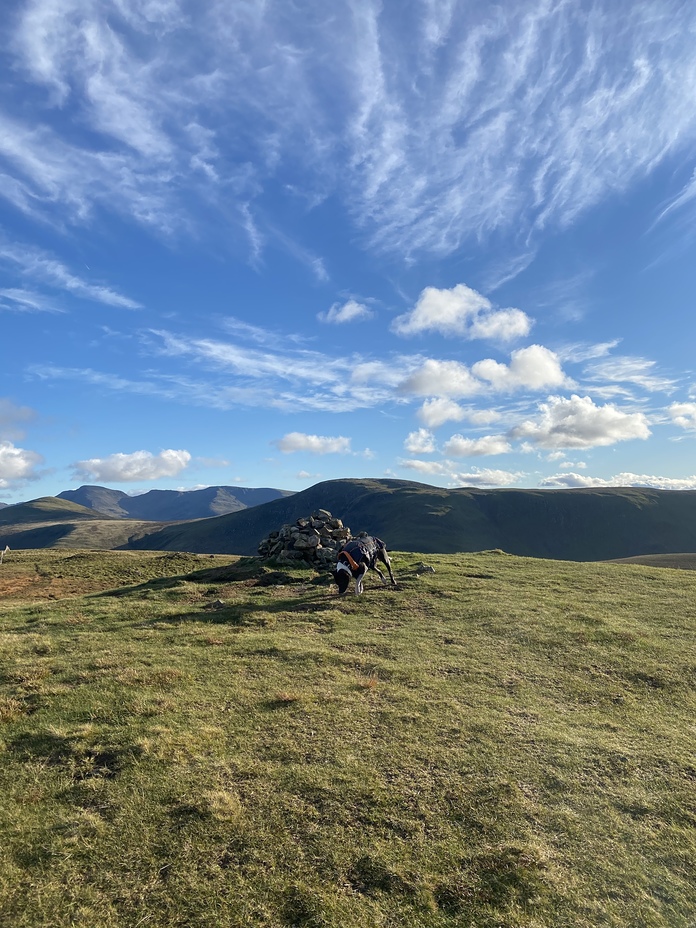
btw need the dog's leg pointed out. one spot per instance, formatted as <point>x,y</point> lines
<point>381,575</point>
<point>359,579</point>
<point>384,557</point>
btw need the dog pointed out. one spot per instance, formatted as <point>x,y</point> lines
<point>356,557</point>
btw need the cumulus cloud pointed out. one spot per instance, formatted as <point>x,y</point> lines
<point>441,378</point>
<point>437,411</point>
<point>487,477</point>
<point>420,442</point>
<point>17,465</point>
<point>314,444</point>
<point>351,311</point>
<point>461,312</point>
<point>576,422</point>
<point>460,447</point>
<point>534,368</point>
<point>140,465</point>
<point>569,480</point>
<point>683,415</point>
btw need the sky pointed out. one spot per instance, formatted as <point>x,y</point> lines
<point>268,243</point>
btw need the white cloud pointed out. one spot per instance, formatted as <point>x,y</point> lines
<point>441,378</point>
<point>576,422</point>
<point>447,129</point>
<point>534,368</point>
<point>351,311</point>
<point>487,477</point>
<point>476,477</point>
<point>314,444</point>
<point>443,468</point>
<point>18,299</point>
<point>420,442</point>
<point>577,353</point>
<point>639,371</point>
<point>683,415</point>
<point>460,447</point>
<point>139,465</point>
<point>482,416</point>
<point>40,266</point>
<point>437,411</point>
<point>17,465</point>
<point>461,312</point>
<point>620,480</point>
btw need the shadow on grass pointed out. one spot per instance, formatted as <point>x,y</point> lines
<point>81,760</point>
<point>249,571</point>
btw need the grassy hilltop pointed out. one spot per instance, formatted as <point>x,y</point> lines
<point>503,743</point>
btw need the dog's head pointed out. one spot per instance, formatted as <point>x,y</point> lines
<point>342,576</point>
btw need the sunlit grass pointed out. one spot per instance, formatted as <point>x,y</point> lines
<point>503,742</point>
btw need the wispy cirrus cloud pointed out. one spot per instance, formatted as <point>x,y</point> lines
<point>18,299</point>
<point>639,371</point>
<point>467,120</point>
<point>40,266</point>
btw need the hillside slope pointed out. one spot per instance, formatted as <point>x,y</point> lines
<point>581,524</point>
<point>46,509</point>
<point>50,522</point>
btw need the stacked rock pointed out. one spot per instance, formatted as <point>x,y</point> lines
<point>316,539</point>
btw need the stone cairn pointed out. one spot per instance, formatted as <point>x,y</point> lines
<point>316,540</point>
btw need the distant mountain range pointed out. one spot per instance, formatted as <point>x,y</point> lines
<point>171,505</point>
<point>578,524</point>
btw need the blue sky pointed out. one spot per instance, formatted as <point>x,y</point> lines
<point>268,243</point>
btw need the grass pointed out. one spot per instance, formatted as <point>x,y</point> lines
<point>503,743</point>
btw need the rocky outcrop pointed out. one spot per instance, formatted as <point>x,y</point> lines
<point>316,539</point>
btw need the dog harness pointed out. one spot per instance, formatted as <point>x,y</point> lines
<point>366,548</point>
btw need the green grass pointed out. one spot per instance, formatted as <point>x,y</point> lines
<point>503,743</point>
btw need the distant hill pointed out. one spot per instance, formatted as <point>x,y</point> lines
<point>578,524</point>
<point>46,509</point>
<point>171,505</point>
<point>50,522</point>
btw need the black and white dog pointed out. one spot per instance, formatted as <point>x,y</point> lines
<point>357,557</point>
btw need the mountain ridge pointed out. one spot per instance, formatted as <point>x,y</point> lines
<point>583,524</point>
<point>172,505</point>
<point>574,524</point>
